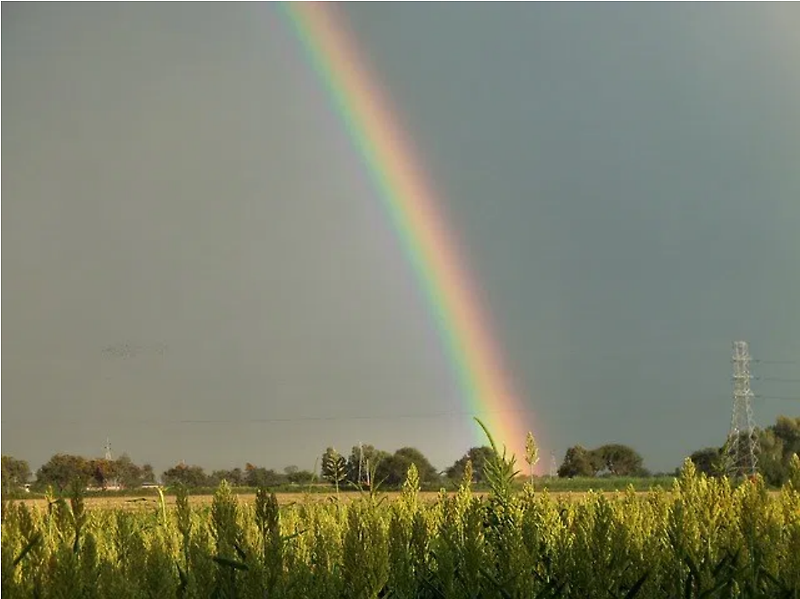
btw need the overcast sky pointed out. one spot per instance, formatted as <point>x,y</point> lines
<point>188,234</point>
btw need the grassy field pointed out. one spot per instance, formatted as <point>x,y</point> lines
<point>320,491</point>
<point>702,538</point>
<point>147,498</point>
<point>284,499</point>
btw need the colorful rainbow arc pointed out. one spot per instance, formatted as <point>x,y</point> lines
<point>412,207</point>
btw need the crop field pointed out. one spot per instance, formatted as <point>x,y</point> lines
<point>703,538</point>
<point>150,502</point>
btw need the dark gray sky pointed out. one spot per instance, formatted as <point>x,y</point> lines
<point>624,179</point>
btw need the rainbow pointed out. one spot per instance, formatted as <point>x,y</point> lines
<point>411,204</point>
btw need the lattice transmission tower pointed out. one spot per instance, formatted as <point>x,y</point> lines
<point>742,445</point>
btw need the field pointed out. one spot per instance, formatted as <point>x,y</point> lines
<point>702,538</point>
<point>150,502</point>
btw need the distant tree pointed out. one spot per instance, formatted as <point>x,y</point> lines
<point>776,446</point>
<point>148,475</point>
<point>427,473</point>
<point>63,469</point>
<point>788,431</point>
<point>771,462</point>
<point>364,460</point>
<point>15,473</point>
<point>255,476</point>
<point>618,460</point>
<point>478,456</point>
<point>392,471</point>
<point>578,461</point>
<point>189,476</point>
<point>300,477</point>
<point>130,475</point>
<point>705,460</point>
<point>103,472</point>
<point>235,477</point>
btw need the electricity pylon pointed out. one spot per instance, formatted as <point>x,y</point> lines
<point>742,445</point>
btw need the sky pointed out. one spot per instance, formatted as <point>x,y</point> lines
<point>196,265</point>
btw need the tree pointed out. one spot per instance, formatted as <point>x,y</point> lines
<point>262,477</point>
<point>103,472</point>
<point>578,461</point>
<point>148,476</point>
<point>61,470</point>
<point>425,470</point>
<point>234,477</point>
<point>392,471</point>
<point>770,458</point>
<point>334,467</point>
<point>788,431</point>
<point>705,460</point>
<point>300,477</point>
<point>363,461</point>
<point>777,444</point>
<point>189,476</point>
<point>619,460</point>
<point>478,456</point>
<point>128,474</point>
<point>15,473</point>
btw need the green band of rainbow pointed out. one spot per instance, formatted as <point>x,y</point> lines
<point>412,207</point>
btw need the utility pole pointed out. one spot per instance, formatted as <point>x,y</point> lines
<point>360,460</point>
<point>742,438</point>
<point>553,466</point>
<point>108,450</point>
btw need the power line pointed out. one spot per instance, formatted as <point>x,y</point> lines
<point>421,415</point>
<point>786,362</point>
<point>780,397</point>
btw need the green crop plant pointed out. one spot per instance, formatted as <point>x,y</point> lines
<point>704,537</point>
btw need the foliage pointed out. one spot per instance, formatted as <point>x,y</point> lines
<point>62,470</point>
<point>778,443</point>
<point>392,470</point>
<point>531,453</point>
<point>477,456</point>
<point>363,460</point>
<point>15,473</point>
<point>256,476</point>
<point>234,477</point>
<point>617,459</point>
<point>130,475</point>
<point>578,461</point>
<point>183,475</point>
<point>334,467</point>
<point>705,538</point>
<point>299,477</point>
<point>614,459</point>
<point>705,460</point>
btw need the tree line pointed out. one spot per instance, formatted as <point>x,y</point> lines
<point>62,470</point>
<point>365,465</point>
<point>776,446</point>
